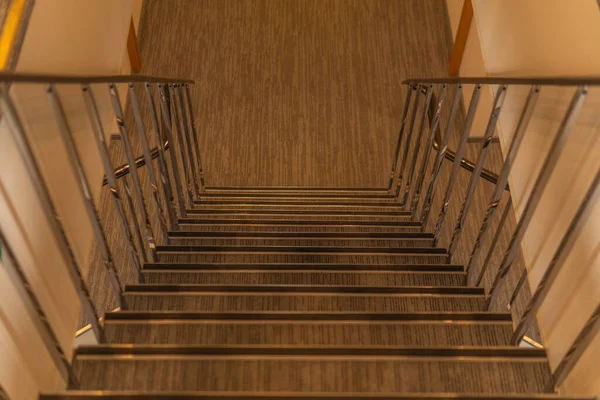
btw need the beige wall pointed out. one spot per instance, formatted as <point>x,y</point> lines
<point>549,38</point>
<point>63,37</point>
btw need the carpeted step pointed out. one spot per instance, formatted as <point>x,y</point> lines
<point>194,225</point>
<point>269,276</point>
<point>300,200</point>
<point>310,329</point>
<point>301,241</point>
<point>387,208</point>
<point>220,298</point>
<point>300,255</point>
<point>339,369</point>
<point>152,395</point>
<point>304,216</point>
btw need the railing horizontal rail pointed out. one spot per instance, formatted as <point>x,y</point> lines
<point>87,79</point>
<point>552,81</point>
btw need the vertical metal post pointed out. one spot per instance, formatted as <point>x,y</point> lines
<point>185,163</point>
<point>167,123</point>
<point>433,129</point>
<point>38,316</point>
<point>437,165</point>
<point>413,117</point>
<point>133,172</point>
<point>518,287</point>
<point>33,170</point>
<point>554,153</point>
<point>137,116</point>
<point>162,164</point>
<point>195,134</point>
<point>582,216</point>
<point>511,155</point>
<point>174,132</point>
<point>188,141</point>
<point>111,179</point>
<point>487,139</point>
<point>495,240</point>
<point>415,156</point>
<point>400,136</point>
<point>84,189</point>
<point>580,345</point>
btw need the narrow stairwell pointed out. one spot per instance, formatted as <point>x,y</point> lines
<point>297,294</point>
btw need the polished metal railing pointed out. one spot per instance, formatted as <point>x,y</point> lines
<point>177,181</point>
<point>427,102</point>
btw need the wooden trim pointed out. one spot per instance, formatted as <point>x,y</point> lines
<point>135,59</point>
<point>460,41</point>
<point>10,30</point>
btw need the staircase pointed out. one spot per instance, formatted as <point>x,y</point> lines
<point>288,293</point>
<point>298,294</point>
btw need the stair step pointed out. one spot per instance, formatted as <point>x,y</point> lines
<point>305,266</point>
<point>302,235</point>
<point>294,189</point>
<point>151,395</point>
<point>299,201</point>
<point>300,242</point>
<point>297,256</point>
<point>324,194</point>
<point>427,329</point>
<point>387,208</point>
<point>290,214</point>
<point>271,276</point>
<point>312,369</point>
<point>299,249</point>
<point>295,229</point>
<point>317,221</point>
<point>298,302</point>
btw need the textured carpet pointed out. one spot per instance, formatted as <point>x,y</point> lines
<point>298,92</point>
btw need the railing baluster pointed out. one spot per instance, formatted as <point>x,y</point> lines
<point>133,172</point>
<point>18,134</point>
<point>504,173</point>
<point>165,112</point>
<point>84,188</point>
<point>487,139</point>
<point>195,134</point>
<point>34,308</point>
<point>495,240</point>
<point>580,219</point>
<point>409,134</point>
<point>415,156</point>
<point>162,163</point>
<point>188,141</point>
<point>437,165</point>
<point>137,115</point>
<point>554,153</point>
<point>580,345</point>
<point>427,152</point>
<point>400,135</point>
<point>189,183</point>
<point>111,179</point>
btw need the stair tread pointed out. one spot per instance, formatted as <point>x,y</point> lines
<point>293,222</point>
<point>177,395</point>
<point>166,266</point>
<point>301,235</point>
<point>301,249</point>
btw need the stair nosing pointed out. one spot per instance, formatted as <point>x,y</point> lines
<point>302,235</point>
<point>305,289</point>
<point>434,268</point>
<point>208,395</point>
<point>291,213</point>
<point>276,249</point>
<point>456,316</point>
<point>462,352</point>
<point>317,223</point>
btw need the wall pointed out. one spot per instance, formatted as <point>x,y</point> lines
<point>550,38</point>
<point>63,37</point>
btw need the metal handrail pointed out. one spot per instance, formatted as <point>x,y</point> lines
<point>550,81</point>
<point>88,79</point>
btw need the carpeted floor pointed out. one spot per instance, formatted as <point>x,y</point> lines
<point>296,92</point>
